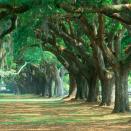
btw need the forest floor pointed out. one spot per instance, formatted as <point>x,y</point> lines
<point>32,113</point>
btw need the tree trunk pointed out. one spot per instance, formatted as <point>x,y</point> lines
<point>79,91</point>
<point>104,73</point>
<point>43,90</point>
<point>62,73</point>
<point>85,89</point>
<point>82,87</point>
<point>113,93</point>
<point>106,92</point>
<point>73,86</point>
<point>93,92</point>
<point>121,93</point>
<point>58,83</point>
<point>107,83</point>
<point>49,88</point>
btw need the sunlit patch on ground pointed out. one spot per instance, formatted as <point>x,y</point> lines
<point>56,115</point>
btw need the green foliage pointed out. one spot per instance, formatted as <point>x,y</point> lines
<point>129,81</point>
<point>126,40</point>
<point>49,57</point>
<point>27,47</point>
<point>33,55</point>
<point>94,2</point>
<point>10,62</point>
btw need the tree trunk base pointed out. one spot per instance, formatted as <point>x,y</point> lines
<point>70,99</point>
<point>104,104</point>
<point>121,111</point>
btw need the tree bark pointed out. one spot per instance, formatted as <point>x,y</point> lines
<point>49,87</point>
<point>73,86</point>
<point>58,83</point>
<point>82,87</point>
<point>107,87</point>
<point>93,92</point>
<point>121,94</point>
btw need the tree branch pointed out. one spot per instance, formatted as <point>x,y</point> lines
<point>11,28</point>
<point>71,41</point>
<point>106,51</point>
<point>112,11</point>
<point>127,60</point>
<point>10,10</point>
<point>8,73</point>
<point>22,67</point>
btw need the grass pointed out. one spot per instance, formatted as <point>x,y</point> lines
<point>12,96</point>
<point>54,114</point>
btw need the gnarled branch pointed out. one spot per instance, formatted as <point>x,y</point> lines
<point>113,11</point>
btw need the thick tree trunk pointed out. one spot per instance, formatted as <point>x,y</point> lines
<point>58,83</point>
<point>43,91</point>
<point>93,91</point>
<point>121,94</point>
<point>79,91</point>
<point>82,87</point>
<point>50,90</point>
<point>104,73</point>
<point>113,93</point>
<point>63,71</point>
<point>106,92</point>
<point>85,89</point>
<point>49,87</point>
<point>73,86</point>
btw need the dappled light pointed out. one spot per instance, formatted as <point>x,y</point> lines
<point>65,65</point>
<point>57,113</point>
